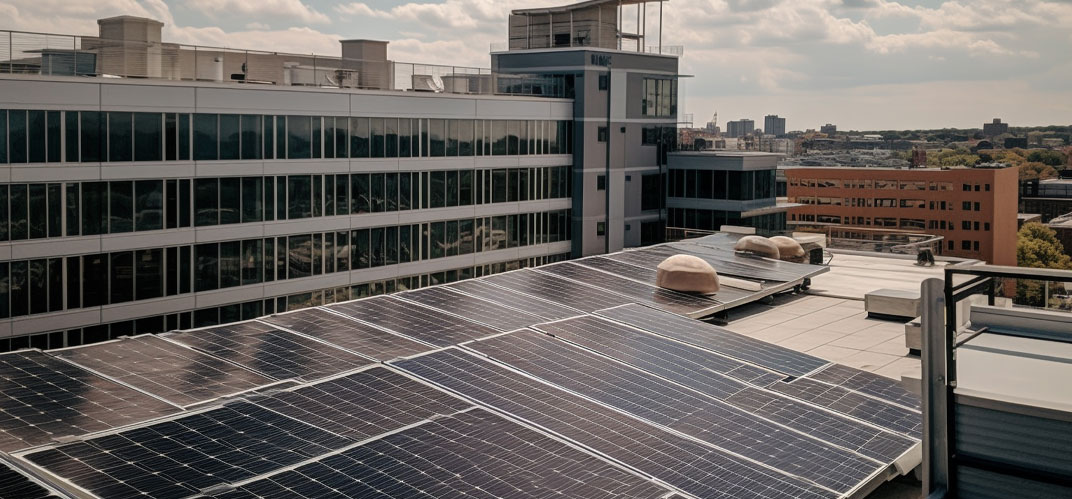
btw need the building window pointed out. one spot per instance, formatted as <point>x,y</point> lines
<point>660,97</point>
<point>976,206</point>
<point>987,187</point>
<point>966,188</point>
<point>604,82</point>
<point>951,247</point>
<point>601,134</point>
<point>986,226</point>
<point>601,228</point>
<point>965,245</point>
<point>975,246</point>
<point>649,136</point>
<point>601,183</point>
<point>965,205</point>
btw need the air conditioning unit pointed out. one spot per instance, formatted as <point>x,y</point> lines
<point>346,78</point>
<point>426,83</point>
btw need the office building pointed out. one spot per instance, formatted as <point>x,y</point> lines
<point>709,189</point>
<point>1050,198</point>
<point>973,209</point>
<point>168,195</point>
<point>625,112</point>
<point>773,125</point>
<point>828,129</point>
<point>995,128</point>
<point>740,128</point>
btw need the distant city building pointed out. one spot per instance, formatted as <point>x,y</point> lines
<point>1062,226</point>
<point>712,126</point>
<point>740,128</point>
<point>1049,198</point>
<point>995,127</point>
<point>919,157</point>
<point>1052,142</point>
<point>974,209</point>
<point>828,129</point>
<point>706,190</point>
<point>1014,142</point>
<point>773,125</point>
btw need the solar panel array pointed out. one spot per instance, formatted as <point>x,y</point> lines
<point>579,379</point>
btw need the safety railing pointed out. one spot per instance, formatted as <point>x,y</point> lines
<point>66,55</point>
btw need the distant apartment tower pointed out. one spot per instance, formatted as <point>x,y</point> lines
<point>974,209</point>
<point>773,125</point>
<point>740,128</point>
<point>828,129</point>
<point>995,127</point>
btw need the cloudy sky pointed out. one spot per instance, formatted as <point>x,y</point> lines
<point>861,64</point>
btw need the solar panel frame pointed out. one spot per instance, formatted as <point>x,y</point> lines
<point>545,309</point>
<point>842,400</point>
<point>14,483</point>
<point>868,383</point>
<point>457,455</point>
<point>558,290</point>
<point>716,339</point>
<point>668,404</point>
<point>493,314</point>
<point>665,299</point>
<point>413,320</point>
<point>720,377</point>
<point>44,397</point>
<point>270,350</point>
<point>182,456</point>
<point>363,404</point>
<point>346,333</point>
<point>676,460</point>
<point>176,373</point>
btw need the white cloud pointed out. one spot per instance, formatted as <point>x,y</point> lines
<point>289,9</point>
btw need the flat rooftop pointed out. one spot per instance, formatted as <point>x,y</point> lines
<point>587,352</point>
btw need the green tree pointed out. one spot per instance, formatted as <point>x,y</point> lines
<point>1037,247</point>
<point>1029,171</point>
<point>1052,158</point>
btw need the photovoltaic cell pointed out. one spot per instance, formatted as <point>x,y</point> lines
<point>415,321</point>
<point>836,398</point>
<point>363,404</point>
<point>473,308</point>
<point>14,484</point>
<point>868,383</point>
<point>665,299</point>
<point>471,454</point>
<point>688,465</point>
<point>745,266</point>
<point>43,398</point>
<point>179,458</point>
<point>546,310</point>
<point>558,290</point>
<point>271,351</point>
<point>662,402</point>
<point>716,339</point>
<point>359,337</point>
<point>180,375</point>
<point>708,373</point>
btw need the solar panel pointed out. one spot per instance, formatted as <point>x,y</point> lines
<point>363,404</point>
<point>180,375</point>
<point>558,290</point>
<point>744,265</point>
<point>708,373</point>
<point>665,299</point>
<point>422,323</point>
<point>359,337</point>
<point>15,484</point>
<point>857,405</point>
<point>727,294</point>
<point>43,398</point>
<point>665,403</point>
<point>683,463</point>
<point>471,454</point>
<point>472,308</point>
<point>271,351</point>
<point>546,310</point>
<point>716,339</point>
<point>868,383</point>
<point>179,458</point>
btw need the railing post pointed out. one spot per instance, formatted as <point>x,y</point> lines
<point>935,404</point>
<point>10,52</point>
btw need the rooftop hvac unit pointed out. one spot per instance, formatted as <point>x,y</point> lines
<point>426,83</point>
<point>456,84</point>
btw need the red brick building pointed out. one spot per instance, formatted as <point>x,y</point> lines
<point>973,208</point>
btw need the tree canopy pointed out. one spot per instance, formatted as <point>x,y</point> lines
<point>1037,247</point>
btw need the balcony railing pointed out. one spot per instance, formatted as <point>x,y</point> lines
<point>675,50</point>
<point>66,55</point>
